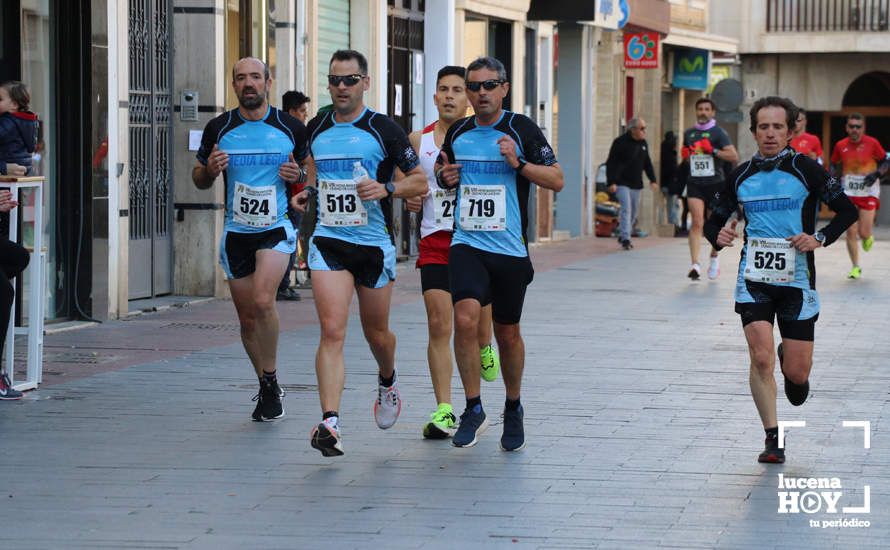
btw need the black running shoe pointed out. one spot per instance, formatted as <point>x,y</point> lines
<point>772,454</point>
<point>513,438</point>
<point>626,244</point>
<point>796,393</point>
<point>268,402</point>
<point>694,272</point>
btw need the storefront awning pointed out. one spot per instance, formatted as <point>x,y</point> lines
<point>702,40</point>
<point>601,13</point>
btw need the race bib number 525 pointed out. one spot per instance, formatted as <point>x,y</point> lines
<point>770,260</point>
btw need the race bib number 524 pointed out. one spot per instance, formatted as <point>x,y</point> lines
<point>254,206</point>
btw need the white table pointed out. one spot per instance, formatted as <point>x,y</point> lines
<point>36,290</point>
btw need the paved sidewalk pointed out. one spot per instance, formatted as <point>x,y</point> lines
<point>641,430</point>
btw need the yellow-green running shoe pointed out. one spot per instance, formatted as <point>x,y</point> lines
<point>867,243</point>
<point>855,273</point>
<point>442,423</point>
<point>491,363</point>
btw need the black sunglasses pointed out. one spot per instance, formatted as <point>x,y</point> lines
<point>487,84</point>
<point>349,79</point>
<point>854,126</point>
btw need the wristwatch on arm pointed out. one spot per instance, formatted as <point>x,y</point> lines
<point>820,236</point>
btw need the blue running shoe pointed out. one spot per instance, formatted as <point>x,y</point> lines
<point>513,438</point>
<point>472,423</point>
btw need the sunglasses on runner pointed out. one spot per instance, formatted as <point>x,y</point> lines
<point>487,84</point>
<point>348,79</point>
<point>854,126</point>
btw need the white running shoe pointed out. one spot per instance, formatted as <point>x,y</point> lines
<point>388,405</point>
<point>326,438</point>
<point>714,268</point>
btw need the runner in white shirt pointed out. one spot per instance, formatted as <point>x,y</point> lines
<point>436,228</point>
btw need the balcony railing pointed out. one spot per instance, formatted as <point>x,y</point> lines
<point>827,15</point>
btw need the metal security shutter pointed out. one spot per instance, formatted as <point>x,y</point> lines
<point>333,35</point>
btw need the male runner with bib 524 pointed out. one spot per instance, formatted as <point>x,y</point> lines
<point>356,152</point>
<point>780,192</point>
<point>853,159</point>
<point>436,227</point>
<point>492,157</point>
<point>256,147</point>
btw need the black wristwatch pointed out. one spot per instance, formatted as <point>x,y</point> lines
<point>820,236</point>
<point>522,164</point>
<point>390,188</point>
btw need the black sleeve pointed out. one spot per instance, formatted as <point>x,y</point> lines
<point>727,204</point>
<point>447,149</point>
<point>209,138</point>
<point>831,192</point>
<point>722,139</point>
<point>613,162</point>
<point>301,136</point>
<point>396,144</point>
<point>535,147</point>
<point>647,165</point>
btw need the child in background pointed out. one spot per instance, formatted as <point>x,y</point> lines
<point>18,126</point>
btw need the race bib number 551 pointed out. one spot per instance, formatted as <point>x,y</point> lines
<point>770,260</point>
<point>701,166</point>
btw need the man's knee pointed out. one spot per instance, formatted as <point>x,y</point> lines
<point>508,336</point>
<point>466,318</point>
<point>377,337</point>
<point>762,362</point>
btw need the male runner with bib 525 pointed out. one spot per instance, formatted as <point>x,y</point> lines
<point>780,192</point>
<point>492,157</point>
<point>356,152</point>
<point>853,159</point>
<point>436,227</point>
<point>256,147</point>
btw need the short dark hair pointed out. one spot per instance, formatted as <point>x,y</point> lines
<point>449,70</point>
<point>774,101</point>
<point>347,55</point>
<point>19,93</point>
<point>488,63</point>
<point>293,100</point>
<point>801,111</point>
<point>266,73</point>
<point>851,116</point>
<point>706,100</point>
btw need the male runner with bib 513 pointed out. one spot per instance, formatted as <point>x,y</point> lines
<point>256,147</point>
<point>779,191</point>
<point>492,157</point>
<point>852,160</point>
<point>356,152</point>
<point>436,227</point>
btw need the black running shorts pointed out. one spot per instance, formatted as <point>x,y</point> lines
<point>782,303</point>
<point>434,277</point>
<point>238,254</point>
<point>707,193</point>
<point>498,279</point>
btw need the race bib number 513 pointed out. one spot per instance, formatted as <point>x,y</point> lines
<point>339,205</point>
<point>770,260</point>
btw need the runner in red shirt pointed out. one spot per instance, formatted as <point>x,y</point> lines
<point>436,227</point>
<point>805,143</point>
<point>853,159</point>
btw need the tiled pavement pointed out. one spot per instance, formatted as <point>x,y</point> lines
<point>641,430</point>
